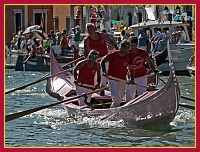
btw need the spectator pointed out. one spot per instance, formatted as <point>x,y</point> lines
<point>142,39</point>
<point>77,37</point>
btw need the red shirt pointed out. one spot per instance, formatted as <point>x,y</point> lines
<point>138,62</point>
<point>86,74</point>
<point>99,45</point>
<point>117,65</point>
<point>64,42</point>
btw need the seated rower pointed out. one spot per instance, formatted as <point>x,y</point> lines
<point>84,73</point>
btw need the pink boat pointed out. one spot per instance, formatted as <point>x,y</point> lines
<point>158,105</point>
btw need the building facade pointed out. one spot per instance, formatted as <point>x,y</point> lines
<point>19,17</point>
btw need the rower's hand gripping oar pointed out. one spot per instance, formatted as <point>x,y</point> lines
<point>43,78</point>
<point>23,113</point>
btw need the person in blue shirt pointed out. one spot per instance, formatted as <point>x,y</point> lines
<point>142,39</point>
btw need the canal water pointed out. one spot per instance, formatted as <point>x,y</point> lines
<point>50,127</point>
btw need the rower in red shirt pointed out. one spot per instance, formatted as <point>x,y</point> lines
<point>138,58</point>
<point>118,62</point>
<point>97,40</point>
<point>84,73</point>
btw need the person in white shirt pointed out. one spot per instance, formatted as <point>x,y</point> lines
<point>29,42</point>
<point>155,38</point>
<point>162,45</point>
<point>181,35</point>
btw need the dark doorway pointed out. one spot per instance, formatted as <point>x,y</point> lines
<point>129,19</point>
<point>18,21</point>
<point>38,17</point>
<point>139,17</point>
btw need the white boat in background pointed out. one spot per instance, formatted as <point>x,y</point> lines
<point>181,52</point>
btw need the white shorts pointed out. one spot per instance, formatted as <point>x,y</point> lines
<point>81,90</point>
<point>117,89</point>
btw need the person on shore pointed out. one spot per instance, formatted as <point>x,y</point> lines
<point>155,38</point>
<point>84,73</point>
<point>142,39</point>
<point>181,35</point>
<point>138,58</point>
<point>162,45</point>
<point>63,43</point>
<point>29,43</point>
<point>118,61</point>
<point>77,37</point>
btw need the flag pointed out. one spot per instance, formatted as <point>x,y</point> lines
<point>42,19</point>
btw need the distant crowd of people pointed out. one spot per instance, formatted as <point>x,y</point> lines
<point>58,42</point>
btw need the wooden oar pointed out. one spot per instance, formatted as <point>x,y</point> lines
<point>42,78</point>
<point>23,113</point>
<point>181,95</point>
<point>72,62</point>
<point>187,106</point>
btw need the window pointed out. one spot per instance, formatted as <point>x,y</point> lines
<point>38,17</point>
<point>56,23</point>
<point>67,23</point>
<point>17,21</point>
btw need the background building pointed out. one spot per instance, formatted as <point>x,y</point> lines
<point>59,17</point>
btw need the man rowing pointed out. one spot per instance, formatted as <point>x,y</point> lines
<point>118,61</point>
<point>97,40</point>
<point>84,73</point>
<point>138,58</point>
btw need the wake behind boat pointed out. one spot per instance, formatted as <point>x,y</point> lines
<point>158,105</point>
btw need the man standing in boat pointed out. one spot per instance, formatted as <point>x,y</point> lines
<point>118,61</point>
<point>138,58</point>
<point>97,40</point>
<point>84,73</point>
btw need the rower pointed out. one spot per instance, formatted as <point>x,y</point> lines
<point>98,41</point>
<point>117,61</point>
<point>138,58</point>
<point>84,73</point>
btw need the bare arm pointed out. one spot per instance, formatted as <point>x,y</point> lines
<point>78,66</point>
<point>103,66</point>
<point>109,40</point>
<point>86,47</point>
<point>98,74</point>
